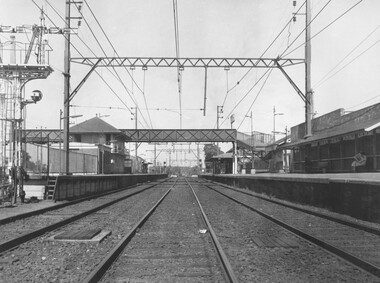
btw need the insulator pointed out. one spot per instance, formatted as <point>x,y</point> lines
<point>294,19</point>
<point>294,3</point>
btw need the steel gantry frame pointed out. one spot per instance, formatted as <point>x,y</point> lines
<point>149,62</point>
<point>181,63</point>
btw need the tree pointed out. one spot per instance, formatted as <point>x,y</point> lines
<point>211,150</point>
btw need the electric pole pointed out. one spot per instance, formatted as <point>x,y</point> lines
<point>309,93</point>
<point>66,92</point>
<point>136,145</point>
<point>219,112</point>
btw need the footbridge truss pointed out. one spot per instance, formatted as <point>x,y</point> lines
<point>149,136</point>
<point>213,135</point>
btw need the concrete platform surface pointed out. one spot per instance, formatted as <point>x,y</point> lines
<point>362,178</point>
<point>21,208</point>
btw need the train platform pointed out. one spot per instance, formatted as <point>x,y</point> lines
<point>359,178</point>
<point>7,210</point>
<point>353,194</point>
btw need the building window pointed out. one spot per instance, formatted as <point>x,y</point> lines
<point>108,138</point>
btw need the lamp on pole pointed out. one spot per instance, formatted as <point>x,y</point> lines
<point>17,155</point>
<point>274,122</point>
<point>61,117</point>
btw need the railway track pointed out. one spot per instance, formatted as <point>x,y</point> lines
<point>21,229</point>
<point>52,257</point>
<point>358,244</point>
<point>164,234</point>
<point>173,242</point>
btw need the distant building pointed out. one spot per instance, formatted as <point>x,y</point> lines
<point>249,147</point>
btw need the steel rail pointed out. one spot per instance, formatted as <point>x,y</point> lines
<point>222,256</point>
<point>351,224</point>
<point>330,248</point>
<point>34,234</point>
<point>101,269</point>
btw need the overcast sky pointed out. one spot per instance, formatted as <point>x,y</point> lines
<point>214,28</point>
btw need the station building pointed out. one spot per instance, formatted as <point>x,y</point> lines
<point>336,138</point>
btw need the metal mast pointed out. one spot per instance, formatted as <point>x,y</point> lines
<point>308,90</point>
<point>66,91</point>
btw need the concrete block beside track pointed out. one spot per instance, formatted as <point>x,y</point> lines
<point>350,195</point>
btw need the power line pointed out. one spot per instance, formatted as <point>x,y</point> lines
<point>179,71</point>
<point>100,107</point>
<point>257,95</point>
<point>146,104</point>
<point>241,100</point>
<point>349,62</point>
<point>82,55</point>
<point>320,11</point>
<point>321,81</point>
<point>269,46</point>
<point>113,48</point>
<point>377,96</point>
<point>114,69</point>
<point>324,27</point>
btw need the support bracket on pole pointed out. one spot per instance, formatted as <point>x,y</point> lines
<point>75,91</point>
<point>299,92</point>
